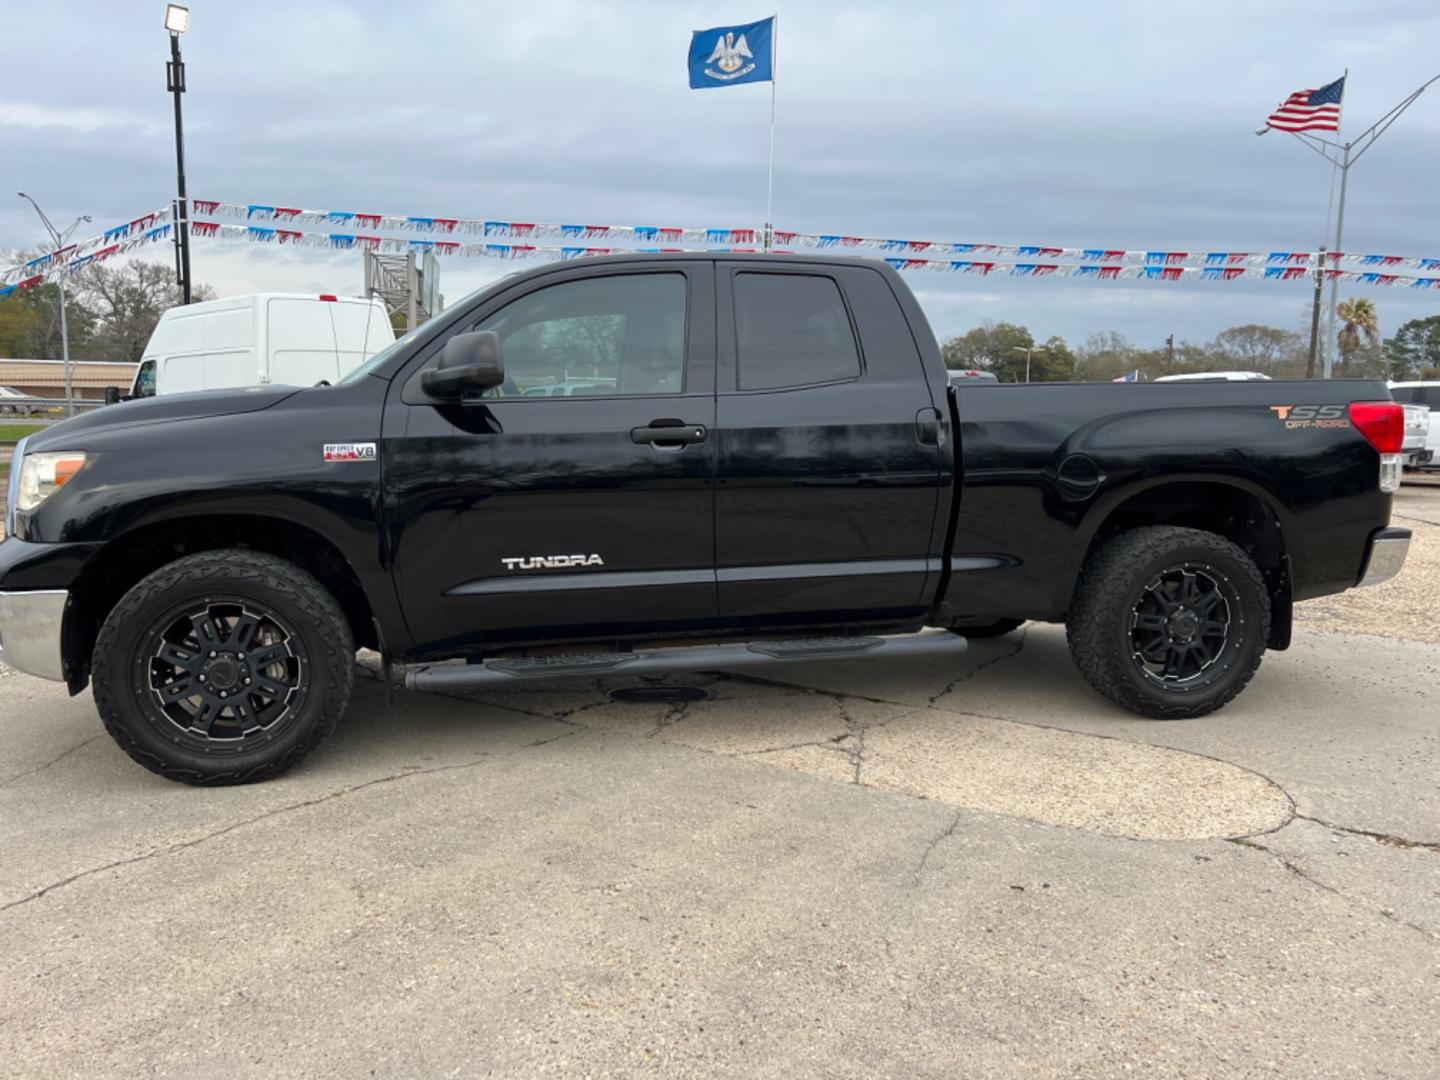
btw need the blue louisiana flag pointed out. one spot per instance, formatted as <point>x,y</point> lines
<point>731,55</point>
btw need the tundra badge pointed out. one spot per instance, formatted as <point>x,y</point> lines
<point>550,562</point>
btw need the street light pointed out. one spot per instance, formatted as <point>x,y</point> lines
<point>177,21</point>
<point>1341,157</point>
<point>1028,353</point>
<point>57,260</point>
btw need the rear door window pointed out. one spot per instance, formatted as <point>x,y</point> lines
<point>792,330</point>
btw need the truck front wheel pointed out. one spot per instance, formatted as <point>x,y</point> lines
<point>225,667</point>
<point>1169,622</point>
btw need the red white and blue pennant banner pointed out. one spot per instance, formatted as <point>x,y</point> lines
<point>53,267</point>
<point>496,250</point>
<point>500,229</point>
<point>110,241</point>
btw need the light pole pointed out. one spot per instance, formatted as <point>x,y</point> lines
<point>1341,156</point>
<point>58,239</point>
<point>177,21</point>
<point>1029,352</point>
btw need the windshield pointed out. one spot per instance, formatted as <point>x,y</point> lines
<point>379,358</point>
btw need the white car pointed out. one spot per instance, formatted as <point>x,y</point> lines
<point>1215,376</point>
<point>258,339</point>
<point>1427,393</point>
<point>18,403</point>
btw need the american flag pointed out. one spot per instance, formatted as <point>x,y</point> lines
<point>1310,110</point>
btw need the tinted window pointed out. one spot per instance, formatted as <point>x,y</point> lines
<point>1408,395</point>
<point>612,335</point>
<point>792,330</point>
<point>145,380</point>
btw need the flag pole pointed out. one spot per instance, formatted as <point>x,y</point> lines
<point>1328,357</point>
<point>770,183</point>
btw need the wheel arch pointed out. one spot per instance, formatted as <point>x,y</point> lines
<point>131,556</point>
<point>1242,513</point>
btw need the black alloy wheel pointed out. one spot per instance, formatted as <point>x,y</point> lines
<point>228,671</point>
<point>1169,622</point>
<point>1180,625</point>
<point>224,667</point>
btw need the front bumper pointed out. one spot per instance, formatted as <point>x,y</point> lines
<point>30,627</point>
<point>1388,548</point>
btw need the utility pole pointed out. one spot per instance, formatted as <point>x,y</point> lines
<point>177,21</point>
<point>59,262</point>
<point>1341,156</point>
<point>1315,316</point>
<point>1170,355</point>
<point>1029,352</point>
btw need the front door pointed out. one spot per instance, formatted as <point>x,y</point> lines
<point>577,499</point>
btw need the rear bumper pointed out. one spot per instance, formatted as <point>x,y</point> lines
<point>31,623</point>
<point>1388,548</point>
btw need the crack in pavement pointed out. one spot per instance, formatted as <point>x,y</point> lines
<point>1390,916</point>
<point>1019,647</point>
<point>207,837</point>
<point>1387,839</point>
<point>930,848</point>
<point>41,768</point>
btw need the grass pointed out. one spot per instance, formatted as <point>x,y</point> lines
<point>10,433</point>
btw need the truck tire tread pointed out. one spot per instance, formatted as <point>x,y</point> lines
<point>1102,588</point>
<point>335,642</point>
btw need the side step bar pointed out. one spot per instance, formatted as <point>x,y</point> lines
<point>936,643</point>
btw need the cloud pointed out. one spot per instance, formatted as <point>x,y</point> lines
<point>1047,123</point>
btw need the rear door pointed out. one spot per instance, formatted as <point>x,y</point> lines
<point>300,341</point>
<point>522,516</point>
<point>829,466</point>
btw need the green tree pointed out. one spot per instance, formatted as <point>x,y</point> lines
<point>1266,349</point>
<point>32,317</point>
<point>1104,356</point>
<point>1001,348</point>
<point>17,327</point>
<point>1414,350</point>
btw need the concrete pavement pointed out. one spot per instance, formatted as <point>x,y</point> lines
<point>875,870</point>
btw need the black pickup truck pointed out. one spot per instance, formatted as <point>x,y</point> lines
<point>640,463</point>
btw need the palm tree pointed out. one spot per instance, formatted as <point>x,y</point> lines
<point>1362,321</point>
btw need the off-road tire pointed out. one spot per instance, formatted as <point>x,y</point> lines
<point>997,628</point>
<point>120,664</point>
<point>1113,582</point>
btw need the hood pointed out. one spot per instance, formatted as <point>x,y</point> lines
<point>70,434</point>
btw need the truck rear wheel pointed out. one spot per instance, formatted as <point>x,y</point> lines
<point>225,667</point>
<point>1169,622</point>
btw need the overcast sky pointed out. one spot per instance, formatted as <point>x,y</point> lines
<point>1116,125</point>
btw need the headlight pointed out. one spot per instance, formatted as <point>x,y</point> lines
<point>41,475</point>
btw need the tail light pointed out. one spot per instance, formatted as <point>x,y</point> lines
<point>1383,425</point>
<point>1381,422</point>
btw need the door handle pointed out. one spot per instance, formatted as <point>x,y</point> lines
<point>668,434</point>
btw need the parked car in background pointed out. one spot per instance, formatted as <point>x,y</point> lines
<point>972,375</point>
<point>1423,392</point>
<point>1215,376</point>
<point>258,339</point>
<point>18,403</point>
<point>570,388</point>
<point>1414,452</point>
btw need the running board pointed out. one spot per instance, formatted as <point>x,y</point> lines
<point>937,643</point>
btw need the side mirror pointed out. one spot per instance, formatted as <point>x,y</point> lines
<point>468,362</point>
<point>112,395</point>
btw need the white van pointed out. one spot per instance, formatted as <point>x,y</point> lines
<point>263,338</point>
